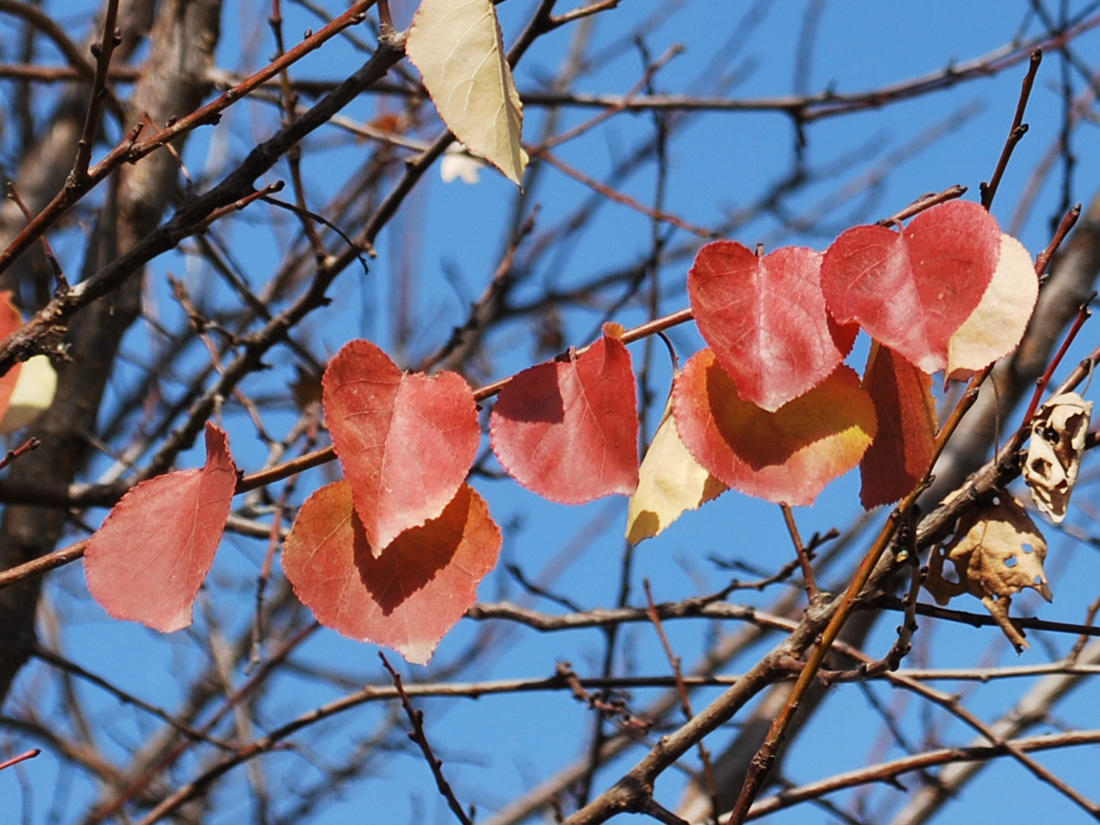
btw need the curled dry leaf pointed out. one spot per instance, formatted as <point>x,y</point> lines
<point>148,560</point>
<point>670,482</point>
<point>997,551</point>
<point>456,45</point>
<point>997,324</point>
<point>1058,434</point>
<point>411,595</point>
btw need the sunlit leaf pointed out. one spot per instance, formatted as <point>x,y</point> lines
<point>670,482</point>
<point>789,455</point>
<point>148,560</point>
<point>912,289</point>
<point>997,324</point>
<point>408,597</point>
<point>457,46</point>
<point>765,319</point>
<point>568,429</point>
<point>405,441</point>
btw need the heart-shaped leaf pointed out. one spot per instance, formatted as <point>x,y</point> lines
<point>765,319</point>
<point>568,429</point>
<point>405,441</point>
<point>148,560</point>
<point>411,595</point>
<point>786,456</point>
<point>911,290</point>
<point>10,321</point>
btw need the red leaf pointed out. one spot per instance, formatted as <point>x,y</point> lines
<point>789,455</point>
<point>10,321</point>
<point>899,457</point>
<point>765,319</point>
<point>408,597</point>
<point>405,441</point>
<point>911,290</point>
<point>568,429</point>
<point>148,560</point>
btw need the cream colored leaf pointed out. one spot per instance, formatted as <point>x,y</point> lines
<point>670,481</point>
<point>1058,434</point>
<point>997,551</point>
<point>457,46</point>
<point>997,324</point>
<point>34,391</point>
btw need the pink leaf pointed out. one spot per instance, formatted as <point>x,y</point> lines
<point>148,560</point>
<point>765,319</point>
<point>568,429</point>
<point>405,441</point>
<point>911,290</point>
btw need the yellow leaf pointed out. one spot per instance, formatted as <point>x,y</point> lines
<point>457,46</point>
<point>997,324</point>
<point>670,481</point>
<point>34,391</point>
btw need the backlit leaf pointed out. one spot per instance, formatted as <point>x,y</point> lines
<point>405,441</point>
<point>10,321</point>
<point>457,46</point>
<point>33,392</point>
<point>408,597</point>
<point>568,429</point>
<point>789,455</point>
<point>912,289</point>
<point>765,319</point>
<point>670,482</point>
<point>148,560</point>
<point>997,324</point>
<point>899,457</point>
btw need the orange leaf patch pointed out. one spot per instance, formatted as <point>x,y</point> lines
<point>785,456</point>
<point>568,429</point>
<point>406,441</point>
<point>10,321</point>
<point>408,597</point>
<point>148,560</point>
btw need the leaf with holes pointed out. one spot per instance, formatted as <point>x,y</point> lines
<point>407,598</point>
<point>789,455</point>
<point>765,319</point>
<point>1058,434</point>
<point>902,451</point>
<point>568,429</point>
<point>148,560</point>
<point>405,441</point>
<point>996,551</point>
<point>456,45</point>
<point>912,289</point>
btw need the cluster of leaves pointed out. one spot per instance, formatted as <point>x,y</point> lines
<point>394,552</point>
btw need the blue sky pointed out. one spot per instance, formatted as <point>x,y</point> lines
<point>449,236</point>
